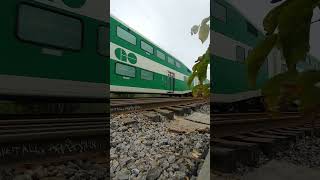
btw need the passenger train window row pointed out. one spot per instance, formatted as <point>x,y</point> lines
<point>130,71</point>
<point>65,31</point>
<point>145,46</point>
<point>220,12</point>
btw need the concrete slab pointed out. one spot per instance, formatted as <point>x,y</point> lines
<point>186,109</point>
<point>168,114</point>
<point>205,169</point>
<point>181,125</point>
<point>246,153</point>
<point>194,107</point>
<point>152,116</point>
<point>177,111</point>
<point>280,170</point>
<point>199,117</point>
<point>223,159</point>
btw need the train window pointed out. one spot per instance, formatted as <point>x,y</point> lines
<point>145,46</point>
<point>170,60</point>
<point>251,29</point>
<point>146,75</point>
<point>220,12</point>
<point>178,65</point>
<point>125,35</point>
<point>161,55</point>
<point>240,54</point>
<point>125,70</point>
<point>47,27</point>
<point>103,40</point>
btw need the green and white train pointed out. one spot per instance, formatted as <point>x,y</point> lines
<point>138,67</point>
<point>233,37</point>
<point>54,49</point>
<point>59,49</point>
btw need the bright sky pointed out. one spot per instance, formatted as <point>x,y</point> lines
<point>256,11</point>
<point>167,23</point>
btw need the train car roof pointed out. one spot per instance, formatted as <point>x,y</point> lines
<point>97,9</point>
<point>245,16</point>
<point>135,31</point>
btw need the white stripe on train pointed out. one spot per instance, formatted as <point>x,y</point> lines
<point>145,63</point>
<point>114,88</point>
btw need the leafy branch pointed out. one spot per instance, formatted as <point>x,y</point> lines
<point>287,27</point>
<point>200,67</point>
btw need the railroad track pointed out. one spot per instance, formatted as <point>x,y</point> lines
<point>138,104</point>
<point>49,127</point>
<point>233,124</point>
<point>97,157</point>
<point>40,136</point>
<point>239,138</point>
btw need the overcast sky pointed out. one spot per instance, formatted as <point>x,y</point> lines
<point>166,23</point>
<point>255,10</point>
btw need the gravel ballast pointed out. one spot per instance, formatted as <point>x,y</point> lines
<point>73,170</point>
<point>144,149</point>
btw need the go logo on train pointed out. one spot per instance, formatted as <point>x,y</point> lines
<point>123,56</point>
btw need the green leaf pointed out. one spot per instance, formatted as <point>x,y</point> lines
<point>194,29</point>
<point>201,91</point>
<point>204,32</point>
<point>270,21</point>
<point>191,78</point>
<point>257,57</point>
<point>205,20</point>
<point>294,30</point>
<point>309,78</point>
<point>273,90</point>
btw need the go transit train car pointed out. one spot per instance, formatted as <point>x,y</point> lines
<point>233,36</point>
<point>139,67</point>
<point>54,49</point>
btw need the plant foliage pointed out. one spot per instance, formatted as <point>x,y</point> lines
<point>287,27</point>
<point>199,70</point>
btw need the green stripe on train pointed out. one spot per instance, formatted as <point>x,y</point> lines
<point>159,81</point>
<point>230,76</point>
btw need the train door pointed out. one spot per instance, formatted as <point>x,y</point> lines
<point>171,82</point>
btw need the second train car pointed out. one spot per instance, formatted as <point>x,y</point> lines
<point>138,67</point>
